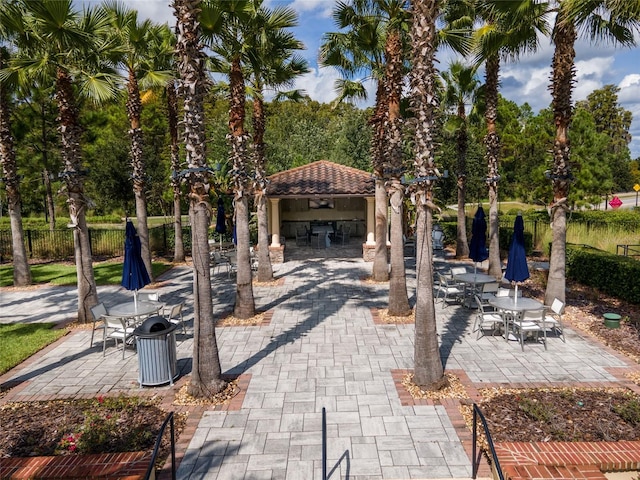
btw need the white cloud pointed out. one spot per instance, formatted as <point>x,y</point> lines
<point>322,6</point>
<point>319,84</point>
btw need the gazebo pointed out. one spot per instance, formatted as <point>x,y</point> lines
<point>321,193</point>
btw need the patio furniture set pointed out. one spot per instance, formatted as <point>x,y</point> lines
<point>322,236</point>
<point>119,322</point>
<point>500,310</point>
<point>226,258</point>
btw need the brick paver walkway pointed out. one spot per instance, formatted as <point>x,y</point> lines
<point>320,349</point>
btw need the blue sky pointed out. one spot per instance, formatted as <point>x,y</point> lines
<point>525,81</point>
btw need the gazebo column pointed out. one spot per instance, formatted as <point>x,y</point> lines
<point>275,221</point>
<point>371,220</point>
<point>276,249</point>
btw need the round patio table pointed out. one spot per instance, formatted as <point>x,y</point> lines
<point>136,312</point>
<point>471,281</point>
<point>514,304</point>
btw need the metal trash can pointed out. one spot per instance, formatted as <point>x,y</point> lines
<point>157,359</point>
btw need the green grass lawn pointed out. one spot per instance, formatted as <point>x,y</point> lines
<point>107,273</point>
<point>21,340</point>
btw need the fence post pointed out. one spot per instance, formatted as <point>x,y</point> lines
<point>30,242</point>
<point>164,238</point>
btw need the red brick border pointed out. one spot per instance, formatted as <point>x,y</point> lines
<point>123,466</point>
<point>539,460</point>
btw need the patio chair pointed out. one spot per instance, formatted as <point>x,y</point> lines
<point>489,290</point>
<point>530,322</point>
<point>302,238</point>
<point>448,290</point>
<point>219,261</point>
<point>410,244</point>
<point>487,316</point>
<point>458,270</point>
<point>343,235</point>
<point>175,315</point>
<point>437,237</point>
<point>149,296</point>
<point>116,328</point>
<point>253,259</point>
<point>97,312</point>
<point>553,317</point>
<point>318,240</point>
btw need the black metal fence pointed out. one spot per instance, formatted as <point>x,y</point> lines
<point>105,243</point>
<point>628,250</point>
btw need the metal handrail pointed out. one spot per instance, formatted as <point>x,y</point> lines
<point>150,471</point>
<point>324,443</point>
<point>475,460</point>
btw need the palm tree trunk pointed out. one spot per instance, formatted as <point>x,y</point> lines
<point>563,66</point>
<point>380,268</point>
<point>206,376</point>
<point>73,175</point>
<point>134,111</point>
<point>492,155</point>
<point>172,117</point>
<point>46,179</point>
<point>265,269</point>
<point>398,298</point>
<point>46,174</point>
<point>21,271</point>
<point>428,370</point>
<point>245,303</point>
<point>462,245</point>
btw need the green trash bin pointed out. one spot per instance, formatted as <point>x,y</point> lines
<point>611,320</point>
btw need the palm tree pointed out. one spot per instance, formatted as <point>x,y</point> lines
<point>395,53</point>
<point>461,88</point>
<point>356,50</point>
<point>162,54</point>
<point>172,116</point>
<point>21,271</point>
<point>59,45</point>
<point>132,41</point>
<point>510,29</point>
<point>228,28</point>
<point>608,20</point>
<point>428,369</point>
<point>272,64</point>
<point>206,376</point>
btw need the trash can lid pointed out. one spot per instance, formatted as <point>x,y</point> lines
<point>154,325</point>
<point>612,316</point>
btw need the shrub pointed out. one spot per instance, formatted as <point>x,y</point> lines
<point>629,411</point>
<point>612,274</point>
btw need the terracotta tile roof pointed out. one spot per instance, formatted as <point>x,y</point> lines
<point>321,178</point>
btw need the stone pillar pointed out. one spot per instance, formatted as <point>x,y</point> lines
<point>371,221</point>
<point>275,221</point>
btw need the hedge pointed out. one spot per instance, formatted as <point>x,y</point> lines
<point>612,274</point>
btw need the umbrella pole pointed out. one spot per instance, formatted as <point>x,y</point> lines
<point>135,300</point>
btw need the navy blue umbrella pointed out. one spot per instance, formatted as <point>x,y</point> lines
<point>517,268</point>
<point>478,246</point>
<point>134,273</point>
<point>221,221</point>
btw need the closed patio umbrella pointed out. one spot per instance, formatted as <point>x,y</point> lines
<point>517,268</point>
<point>221,226</point>
<point>478,245</point>
<point>134,273</point>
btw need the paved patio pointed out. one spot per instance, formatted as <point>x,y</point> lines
<point>321,348</point>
